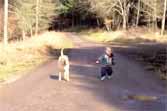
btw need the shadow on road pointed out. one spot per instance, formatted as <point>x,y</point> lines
<point>55,77</point>
<point>128,79</point>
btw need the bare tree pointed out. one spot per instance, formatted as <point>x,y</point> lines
<point>124,6</point>
<point>105,10</point>
<point>5,22</point>
<point>164,17</point>
<point>152,11</point>
<point>155,15</point>
<point>37,18</point>
<point>138,12</point>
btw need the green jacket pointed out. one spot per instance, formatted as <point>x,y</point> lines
<point>105,60</point>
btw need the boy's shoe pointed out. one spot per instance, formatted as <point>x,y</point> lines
<point>102,78</point>
<point>109,77</point>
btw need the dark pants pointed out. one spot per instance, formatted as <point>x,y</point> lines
<point>106,71</point>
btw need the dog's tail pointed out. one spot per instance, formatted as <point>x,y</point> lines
<point>62,52</point>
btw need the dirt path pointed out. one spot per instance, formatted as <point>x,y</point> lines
<point>41,91</point>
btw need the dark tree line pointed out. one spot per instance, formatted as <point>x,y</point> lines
<point>114,13</point>
<point>33,16</point>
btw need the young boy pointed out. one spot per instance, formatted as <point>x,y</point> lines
<point>106,60</point>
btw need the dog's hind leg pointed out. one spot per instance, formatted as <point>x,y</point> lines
<point>59,76</point>
<point>67,78</point>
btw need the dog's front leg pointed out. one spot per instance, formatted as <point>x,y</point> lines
<point>60,76</point>
<point>66,73</point>
<point>66,76</point>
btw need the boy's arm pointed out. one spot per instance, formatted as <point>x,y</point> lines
<point>99,60</point>
<point>113,60</point>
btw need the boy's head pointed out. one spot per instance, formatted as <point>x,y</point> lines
<point>108,51</point>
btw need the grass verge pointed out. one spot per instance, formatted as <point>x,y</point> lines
<point>125,37</point>
<point>22,56</point>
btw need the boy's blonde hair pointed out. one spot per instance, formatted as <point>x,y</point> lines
<point>109,48</point>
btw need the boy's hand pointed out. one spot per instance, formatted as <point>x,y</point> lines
<point>97,62</point>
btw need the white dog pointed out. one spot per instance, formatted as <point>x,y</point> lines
<point>63,66</point>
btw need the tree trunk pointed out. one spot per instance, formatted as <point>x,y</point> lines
<point>155,15</point>
<point>138,13</point>
<point>164,16</point>
<point>107,28</point>
<point>31,32</point>
<point>98,22</point>
<point>108,23</point>
<point>124,15</point>
<point>124,21</point>
<point>149,22</point>
<point>73,21</point>
<point>5,22</point>
<point>23,34</point>
<point>37,18</point>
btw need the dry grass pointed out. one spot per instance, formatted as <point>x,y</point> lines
<point>104,36</point>
<point>124,37</point>
<point>22,56</point>
<point>155,37</point>
<point>108,37</point>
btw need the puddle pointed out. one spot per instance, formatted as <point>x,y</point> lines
<point>140,98</point>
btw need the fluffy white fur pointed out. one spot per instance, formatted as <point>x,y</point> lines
<point>63,66</point>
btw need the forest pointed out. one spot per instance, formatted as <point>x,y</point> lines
<point>29,17</point>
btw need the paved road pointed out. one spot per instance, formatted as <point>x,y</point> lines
<point>41,91</point>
